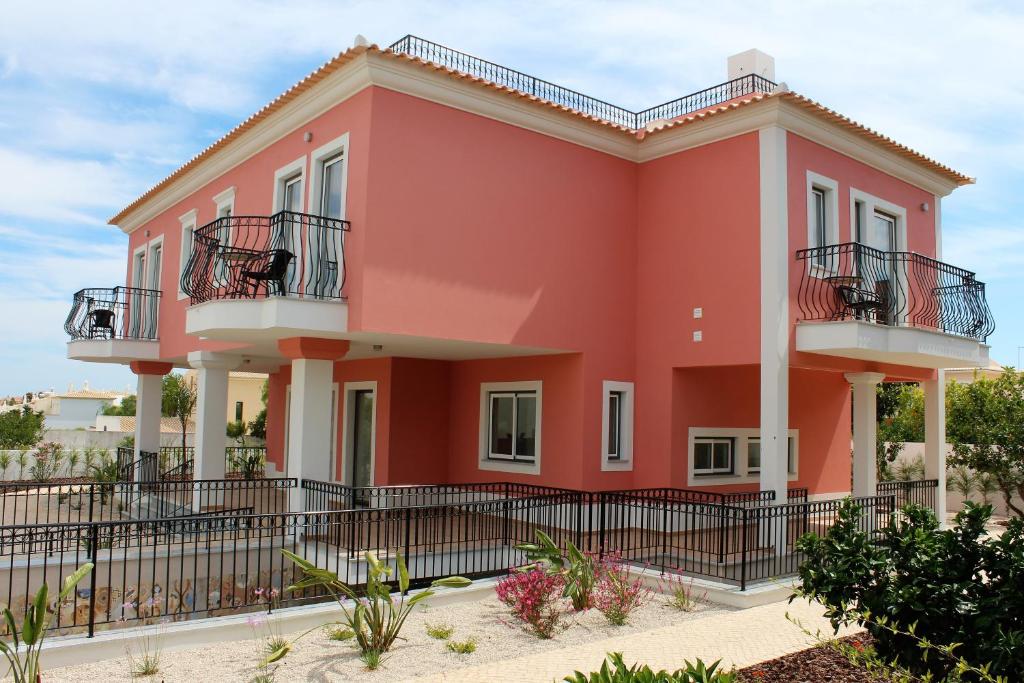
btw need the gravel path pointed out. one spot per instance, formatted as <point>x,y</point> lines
<point>316,658</point>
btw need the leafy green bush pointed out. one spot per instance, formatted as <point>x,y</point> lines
<point>614,670</point>
<point>21,428</point>
<point>463,647</point>
<point>440,631</point>
<point>911,582</point>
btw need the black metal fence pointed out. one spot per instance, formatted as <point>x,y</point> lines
<point>916,491</point>
<point>253,257</point>
<point>852,281</point>
<point>545,90</point>
<point>117,313</point>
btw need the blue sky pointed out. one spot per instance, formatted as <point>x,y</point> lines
<point>98,101</point>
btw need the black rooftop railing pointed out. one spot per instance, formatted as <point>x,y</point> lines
<point>502,75</point>
<point>114,313</point>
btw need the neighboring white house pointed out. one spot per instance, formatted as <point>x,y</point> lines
<point>75,409</point>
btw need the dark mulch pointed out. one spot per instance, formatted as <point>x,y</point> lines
<point>21,484</point>
<point>822,663</point>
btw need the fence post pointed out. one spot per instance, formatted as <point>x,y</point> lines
<point>743,549</point>
<point>94,538</point>
<point>408,524</point>
<point>600,527</point>
<point>92,493</point>
<point>664,530</point>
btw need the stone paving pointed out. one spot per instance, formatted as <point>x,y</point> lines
<point>739,639</point>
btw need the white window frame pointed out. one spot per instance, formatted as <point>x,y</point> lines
<point>151,246</point>
<point>485,462</point>
<point>338,145</point>
<point>348,430</point>
<point>791,455</point>
<point>138,277</point>
<point>625,391</point>
<point>225,200</point>
<point>285,174</point>
<point>830,189</point>
<point>873,204</point>
<point>741,473</point>
<point>189,221</point>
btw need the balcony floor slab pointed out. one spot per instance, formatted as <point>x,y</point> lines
<point>113,350</point>
<point>256,320</point>
<point>912,346</point>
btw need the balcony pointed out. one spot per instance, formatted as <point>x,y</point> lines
<point>253,278</point>
<point>894,307</point>
<point>116,325</point>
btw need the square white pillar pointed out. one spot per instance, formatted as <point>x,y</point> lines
<point>309,424</point>
<point>148,401</point>
<point>212,370</point>
<point>935,440</point>
<point>865,432</point>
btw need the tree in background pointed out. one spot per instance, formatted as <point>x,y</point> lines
<point>178,400</point>
<point>900,419</point>
<point>258,426</point>
<point>21,428</point>
<point>985,424</point>
<point>126,408</point>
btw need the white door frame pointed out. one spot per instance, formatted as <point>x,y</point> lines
<point>348,433</point>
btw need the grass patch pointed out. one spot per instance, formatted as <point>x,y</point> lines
<point>440,631</point>
<point>465,647</point>
<point>339,632</point>
<point>372,659</point>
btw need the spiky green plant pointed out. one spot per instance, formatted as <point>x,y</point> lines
<point>5,462</point>
<point>463,647</point>
<point>376,619</point>
<point>74,457</point>
<point>26,645</point>
<point>578,569</point>
<point>614,670</point>
<point>440,631</point>
<point>22,461</point>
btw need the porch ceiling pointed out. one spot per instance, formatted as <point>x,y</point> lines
<point>910,346</point>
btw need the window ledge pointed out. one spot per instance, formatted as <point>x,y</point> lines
<point>510,466</point>
<point>616,465</point>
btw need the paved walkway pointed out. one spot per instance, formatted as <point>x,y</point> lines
<point>739,638</point>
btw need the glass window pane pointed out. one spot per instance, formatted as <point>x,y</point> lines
<point>293,195</point>
<point>753,455</point>
<point>819,218</point>
<point>702,455</point>
<point>723,454</point>
<point>791,460</point>
<point>613,424</point>
<point>526,426</point>
<point>330,202</point>
<point>501,425</point>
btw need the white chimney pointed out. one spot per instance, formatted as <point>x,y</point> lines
<point>752,62</point>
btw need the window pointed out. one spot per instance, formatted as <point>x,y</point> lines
<point>617,426</point>
<point>510,427</point>
<point>712,455</point>
<point>513,426</point>
<point>188,227</point>
<point>238,411</point>
<point>332,190</point>
<point>822,220</point>
<point>614,451</point>
<point>754,455</point>
<point>291,199</point>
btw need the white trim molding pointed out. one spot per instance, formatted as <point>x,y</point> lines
<point>625,392</point>
<point>740,437</point>
<point>225,199</point>
<point>484,462</point>
<point>830,187</point>
<point>871,205</point>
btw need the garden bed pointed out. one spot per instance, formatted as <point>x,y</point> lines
<point>316,657</point>
<point>821,663</point>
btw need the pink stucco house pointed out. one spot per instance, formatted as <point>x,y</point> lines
<point>455,272</point>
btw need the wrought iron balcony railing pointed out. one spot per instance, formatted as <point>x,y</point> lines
<point>545,90</point>
<point>254,257</point>
<point>118,313</point>
<point>852,281</point>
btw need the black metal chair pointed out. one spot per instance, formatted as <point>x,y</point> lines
<point>101,323</point>
<point>275,272</point>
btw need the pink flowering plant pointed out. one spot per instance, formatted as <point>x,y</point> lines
<point>577,569</point>
<point>616,595</point>
<point>534,597</point>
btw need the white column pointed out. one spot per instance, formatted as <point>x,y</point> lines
<point>865,432</point>
<point>775,323</point>
<point>211,415</point>
<point>935,440</point>
<point>147,417</point>
<point>309,424</point>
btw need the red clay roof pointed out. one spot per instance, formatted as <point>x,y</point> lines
<point>347,56</point>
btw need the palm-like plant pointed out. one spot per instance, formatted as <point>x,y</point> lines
<point>962,481</point>
<point>22,462</point>
<point>377,619</point>
<point>106,473</point>
<point>26,645</point>
<point>986,485</point>
<point>74,457</point>
<point>577,568</point>
<point>5,462</point>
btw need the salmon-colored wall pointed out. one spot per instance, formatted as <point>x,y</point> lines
<point>728,397</point>
<point>697,247</point>
<point>254,190</point>
<point>420,420</point>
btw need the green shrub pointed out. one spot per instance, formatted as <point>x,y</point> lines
<point>465,647</point>
<point>577,569</point>
<point>614,670</point>
<point>440,631</point>
<point>910,582</point>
